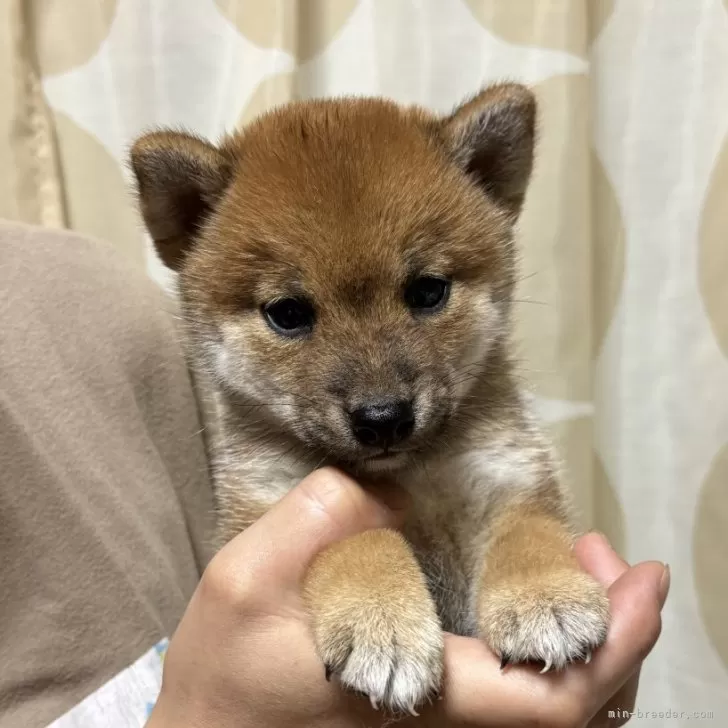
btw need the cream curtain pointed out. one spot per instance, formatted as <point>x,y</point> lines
<point>623,305</point>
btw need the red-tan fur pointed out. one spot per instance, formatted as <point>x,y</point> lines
<point>340,201</point>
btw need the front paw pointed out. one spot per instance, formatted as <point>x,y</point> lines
<point>374,621</point>
<point>388,651</point>
<point>555,618</point>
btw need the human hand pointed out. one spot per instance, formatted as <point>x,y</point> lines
<point>243,654</point>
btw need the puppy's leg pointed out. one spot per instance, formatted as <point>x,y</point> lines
<point>534,603</point>
<point>374,621</point>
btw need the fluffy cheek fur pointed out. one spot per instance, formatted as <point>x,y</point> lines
<point>237,366</point>
<point>278,384</point>
<point>487,326</point>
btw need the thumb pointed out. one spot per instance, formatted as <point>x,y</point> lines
<point>325,507</point>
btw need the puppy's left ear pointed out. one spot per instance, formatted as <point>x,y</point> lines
<point>491,137</point>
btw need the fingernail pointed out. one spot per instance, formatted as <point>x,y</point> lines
<point>664,585</point>
<point>601,536</point>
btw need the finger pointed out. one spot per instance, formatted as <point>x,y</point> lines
<point>636,599</point>
<point>327,506</point>
<point>598,558</point>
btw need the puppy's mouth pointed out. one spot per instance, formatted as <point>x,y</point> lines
<point>384,460</point>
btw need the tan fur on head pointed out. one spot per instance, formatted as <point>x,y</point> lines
<point>346,266</point>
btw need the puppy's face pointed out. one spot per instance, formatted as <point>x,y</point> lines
<point>346,266</point>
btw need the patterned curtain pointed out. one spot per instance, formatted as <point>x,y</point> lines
<point>623,302</point>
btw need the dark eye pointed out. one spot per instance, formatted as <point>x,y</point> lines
<point>289,316</point>
<point>427,294</point>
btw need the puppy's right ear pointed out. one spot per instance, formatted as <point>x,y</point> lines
<point>179,180</point>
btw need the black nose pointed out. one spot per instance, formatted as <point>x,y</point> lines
<point>383,423</point>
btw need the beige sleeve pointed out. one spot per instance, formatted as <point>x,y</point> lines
<point>104,491</point>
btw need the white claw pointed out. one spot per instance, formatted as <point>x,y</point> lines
<point>588,657</point>
<point>412,711</point>
<point>546,667</point>
<point>374,703</point>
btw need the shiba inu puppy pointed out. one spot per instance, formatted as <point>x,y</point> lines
<point>346,270</point>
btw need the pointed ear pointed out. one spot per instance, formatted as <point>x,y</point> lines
<point>179,180</point>
<point>491,137</point>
